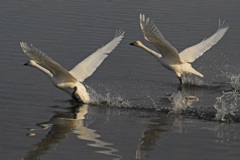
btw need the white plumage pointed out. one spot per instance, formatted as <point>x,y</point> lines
<point>169,56</point>
<point>71,81</point>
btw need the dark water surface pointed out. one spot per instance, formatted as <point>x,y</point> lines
<point>147,114</point>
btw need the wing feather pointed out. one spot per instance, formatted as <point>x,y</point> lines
<point>42,59</point>
<point>155,37</point>
<point>86,68</point>
<point>192,53</point>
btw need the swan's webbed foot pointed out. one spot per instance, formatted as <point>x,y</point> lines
<point>74,96</point>
<point>180,88</point>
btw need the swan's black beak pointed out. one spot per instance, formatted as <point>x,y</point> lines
<point>27,63</point>
<point>132,43</point>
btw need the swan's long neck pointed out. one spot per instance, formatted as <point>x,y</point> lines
<point>155,54</point>
<point>45,71</point>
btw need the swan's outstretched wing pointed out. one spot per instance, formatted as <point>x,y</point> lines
<point>192,53</point>
<point>155,37</point>
<point>42,59</point>
<point>86,68</point>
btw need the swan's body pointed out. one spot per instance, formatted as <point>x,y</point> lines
<point>169,57</point>
<point>70,81</point>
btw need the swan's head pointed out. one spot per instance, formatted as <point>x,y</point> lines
<point>136,43</point>
<point>30,63</point>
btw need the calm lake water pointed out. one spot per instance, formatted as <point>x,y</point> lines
<point>147,114</point>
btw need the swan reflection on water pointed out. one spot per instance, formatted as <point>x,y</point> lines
<point>62,124</point>
<point>155,136</point>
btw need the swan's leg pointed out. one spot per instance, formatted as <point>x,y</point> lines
<point>180,80</point>
<point>74,96</point>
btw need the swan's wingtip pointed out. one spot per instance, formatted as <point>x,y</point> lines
<point>23,44</point>
<point>141,15</point>
<point>222,24</point>
<point>144,20</point>
<point>119,33</point>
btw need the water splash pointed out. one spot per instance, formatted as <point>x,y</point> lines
<point>227,104</point>
<point>154,103</point>
<point>178,105</point>
<point>108,99</point>
<point>192,80</point>
<point>181,102</point>
<point>235,83</point>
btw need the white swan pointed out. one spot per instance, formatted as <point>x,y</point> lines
<point>169,57</point>
<point>70,81</point>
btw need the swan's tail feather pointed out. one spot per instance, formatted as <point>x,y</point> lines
<point>193,71</point>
